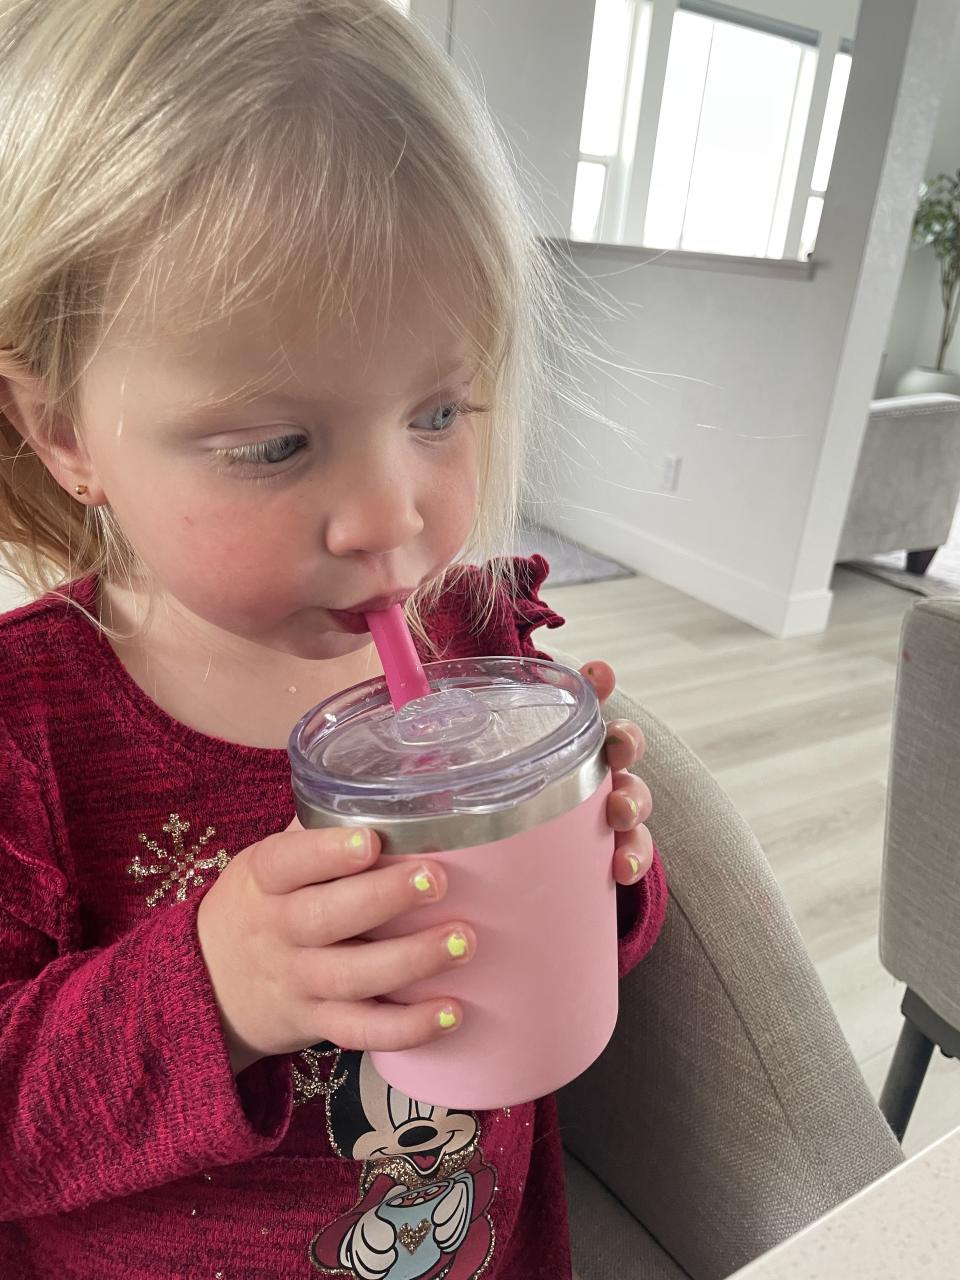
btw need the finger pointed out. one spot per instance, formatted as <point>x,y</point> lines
<point>624,744</point>
<point>367,969</point>
<point>319,915</point>
<point>600,675</point>
<point>387,1027</point>
<point>293,858</point>
<point>630,802</point>
<point>633,856</point>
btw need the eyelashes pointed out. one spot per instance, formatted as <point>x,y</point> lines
<point>459,411</point>
<point>266,451</point>
<point>271,453</point>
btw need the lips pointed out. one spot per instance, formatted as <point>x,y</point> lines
<point>354,623</point>
<point>353,619</point>
<point>378,603</point>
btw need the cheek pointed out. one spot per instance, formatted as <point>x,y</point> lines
<point>452,502</point>
<point>215,556</point>
<point>238,559</point>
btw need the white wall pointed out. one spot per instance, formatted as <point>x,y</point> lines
<point>917,310</point>
<point>434,17</point>
<point>12,594</point>
<point>915,331</point>
<point>537,101</point>
<point>762,383</point>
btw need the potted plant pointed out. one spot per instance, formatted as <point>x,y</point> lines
<point>937,223</point>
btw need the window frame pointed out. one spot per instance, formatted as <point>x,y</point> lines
<point>628,175</point>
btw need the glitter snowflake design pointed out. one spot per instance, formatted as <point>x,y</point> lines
<point>179,867</point>
<point>311,1082</point>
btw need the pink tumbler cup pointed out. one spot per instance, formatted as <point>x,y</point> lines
<point>499,774</point>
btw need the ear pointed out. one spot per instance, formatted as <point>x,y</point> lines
<point>51,436</point>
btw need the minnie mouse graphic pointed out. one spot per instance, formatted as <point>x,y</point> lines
<point>425,1187</point>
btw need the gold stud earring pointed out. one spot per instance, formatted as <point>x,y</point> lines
<point>80,489</point>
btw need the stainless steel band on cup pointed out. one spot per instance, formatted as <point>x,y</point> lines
<point>434,833</point>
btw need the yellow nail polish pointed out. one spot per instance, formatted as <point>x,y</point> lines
<point>358,842</point>
<point>633,806</point>
<point>634,864</point>
<point>457,945</point>
<point>447,1019</point>
<point>423,882</point>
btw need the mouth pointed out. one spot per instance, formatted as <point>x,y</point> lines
<point>426,1161</point>
<point>354,621</point>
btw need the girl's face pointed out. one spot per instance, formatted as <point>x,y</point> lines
<point>354,478</point>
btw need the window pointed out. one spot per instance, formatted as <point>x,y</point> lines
<point>618,54</point>
<point>730,169</point>
<point>828,143</point>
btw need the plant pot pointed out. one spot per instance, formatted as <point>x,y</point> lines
<point>920,380</point>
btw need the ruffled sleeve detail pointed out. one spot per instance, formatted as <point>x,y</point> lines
<point>530,612</point>
<point>463,624</point>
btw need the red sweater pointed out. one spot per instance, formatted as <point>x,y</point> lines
<point>127,1147</point>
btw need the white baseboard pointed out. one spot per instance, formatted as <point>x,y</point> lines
<point>773,612</point>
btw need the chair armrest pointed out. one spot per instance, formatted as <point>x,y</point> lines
<point>920,888</point>
<point>919,402</point>
<point>727,1112</point>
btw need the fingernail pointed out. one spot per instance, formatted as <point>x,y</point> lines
<point>457,944</point>
<point>634,862</point>
<point>634,809</point>
<point>424,883</point>
<point>358,842</point>
<point>447,1020</point>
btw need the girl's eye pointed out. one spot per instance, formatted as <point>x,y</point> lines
<point>444,417</point>
<point>269,452</point>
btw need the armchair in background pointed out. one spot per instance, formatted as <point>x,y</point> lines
<point>907,482</point>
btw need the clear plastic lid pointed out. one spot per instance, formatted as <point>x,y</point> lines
<point>493,732</point>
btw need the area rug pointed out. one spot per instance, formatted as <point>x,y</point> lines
<point>570,562</point>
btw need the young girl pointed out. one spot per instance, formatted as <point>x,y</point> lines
<point>272,324</point>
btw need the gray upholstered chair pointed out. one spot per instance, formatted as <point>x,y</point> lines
<point>907,482</point>
<point>920,888</point>
<point>727,1112</point>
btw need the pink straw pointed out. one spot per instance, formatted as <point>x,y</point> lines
<point>401,665</point>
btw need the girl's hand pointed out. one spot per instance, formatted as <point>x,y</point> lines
<point>278,931</point>
<point>630,803</point>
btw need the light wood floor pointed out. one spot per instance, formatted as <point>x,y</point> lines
<point>797,732</point>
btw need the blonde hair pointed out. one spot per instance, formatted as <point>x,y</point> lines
<point>315,141</point>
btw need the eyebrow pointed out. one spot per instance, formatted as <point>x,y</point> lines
<point>214,407</point>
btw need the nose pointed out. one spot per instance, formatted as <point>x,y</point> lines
<point>374,511</point>
<point>417,1136</point>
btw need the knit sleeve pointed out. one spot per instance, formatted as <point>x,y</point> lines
<point>114,1071</point>
<point>641,910</point>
